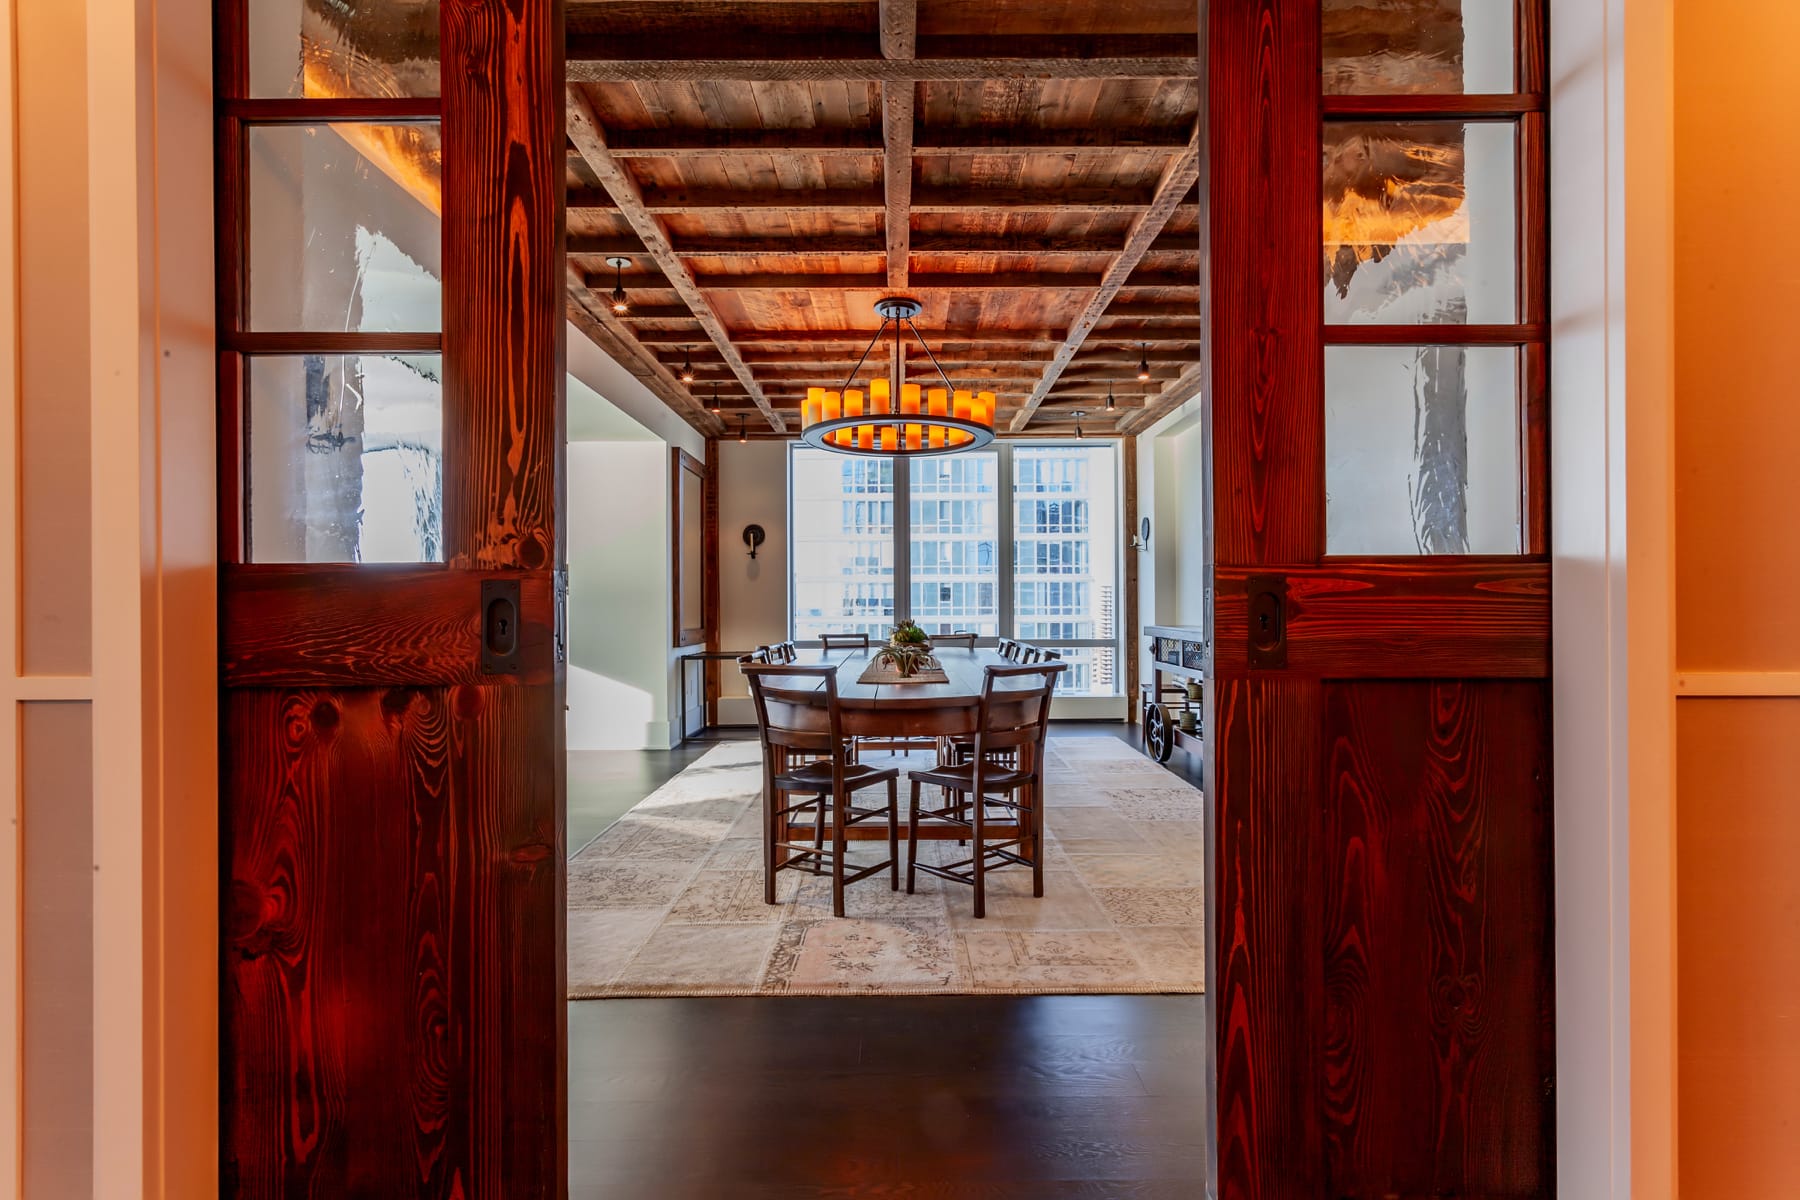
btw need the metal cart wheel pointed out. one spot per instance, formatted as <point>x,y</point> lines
<point>1159,734</point>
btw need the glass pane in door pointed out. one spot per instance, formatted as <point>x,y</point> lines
<point>337,49</point>
<point>344,228</point>
<point>344,458</point>
<point>955,543</point>
<point>1393,46</point>
<point>1422,450</point>
<point>1420,223</point>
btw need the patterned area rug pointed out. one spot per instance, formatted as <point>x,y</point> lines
<point>669,900</point>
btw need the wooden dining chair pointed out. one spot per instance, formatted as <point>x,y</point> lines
<point>787,652</point>
<point>961,640</point>
<point>1013,715</point>
<point>759,657</point>
<point>844,641</point>
<point>807,768</point>
<point>1009,650</point>
<point>1031,655</point>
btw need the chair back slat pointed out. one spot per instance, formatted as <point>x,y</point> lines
<point>796,707</point>
<point>844,641</point>
<point>965,640</point>
<point>1012,716</point>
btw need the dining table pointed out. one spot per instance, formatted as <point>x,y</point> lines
<point>885,712</point>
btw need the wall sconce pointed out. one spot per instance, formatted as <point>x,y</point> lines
<point>1142,540</point>
<point>754,537</point>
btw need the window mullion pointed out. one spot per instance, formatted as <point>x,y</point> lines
<point>1003,546</point>
<point>902,541</point>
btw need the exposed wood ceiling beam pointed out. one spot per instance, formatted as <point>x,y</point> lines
<point>638,280</point>
<point>1140,310</point>
<point>939,338</point>
<point>710,143</point>
<point>655,312</point>
<point>603,245</point>
<point>1177,180</point>
<point>819,281</point>
<point>585,131</point>
<point>871,199</point>
<point>860,337</point>
<point>737,54</point>
<point>594,319</point>
<point>866,143</point>
<point>939,143</point>
<point>822,281</point>
<point>899,21</point>
<point>899,24</point>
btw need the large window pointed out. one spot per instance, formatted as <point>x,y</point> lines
<point>1020,541</point>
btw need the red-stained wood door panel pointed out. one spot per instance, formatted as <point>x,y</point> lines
<point>393,1008</point>
<point>1382,986</point>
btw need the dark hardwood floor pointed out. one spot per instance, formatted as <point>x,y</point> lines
<point>926,1098</point>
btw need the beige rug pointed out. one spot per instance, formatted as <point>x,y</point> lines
<point>669,900</point>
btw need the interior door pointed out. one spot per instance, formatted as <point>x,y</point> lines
<point>391,366</point>
<point>1382,984</point>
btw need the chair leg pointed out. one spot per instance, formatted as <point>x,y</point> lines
<point>912,839</point>
<point>1035,814</point>
<point>980,853</point>
<point>893,835</point>
<point>771,802</point>
<point>840,804</point>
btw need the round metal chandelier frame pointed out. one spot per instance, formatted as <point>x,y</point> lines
<point>899,419</point>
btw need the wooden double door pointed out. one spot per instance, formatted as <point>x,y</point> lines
<point>1381,984</point>
<point>390,378</point>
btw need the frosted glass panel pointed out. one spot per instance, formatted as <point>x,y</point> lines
<point>1420,223</point>
<point>1422,450</point>
<point>345,234</point>
<point>345,459</point>
<point>1391,46</point>
<point>329,49</point>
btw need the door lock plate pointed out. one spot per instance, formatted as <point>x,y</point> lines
<point>1268,622</point>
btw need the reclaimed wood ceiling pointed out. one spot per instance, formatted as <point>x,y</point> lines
<point>1027,170</point>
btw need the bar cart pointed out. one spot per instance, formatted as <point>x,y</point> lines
<point>1173,696</point>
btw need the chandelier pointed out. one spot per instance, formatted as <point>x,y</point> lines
<point>897,418</point>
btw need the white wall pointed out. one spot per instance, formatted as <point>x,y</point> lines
<point>753,601</point>
<point>1610,586</point>
<point>619,596</point>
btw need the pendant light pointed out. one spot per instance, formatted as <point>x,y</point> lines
<point>1079,413</point>
<point>743,430</point>
<point>715,397</point>
<point>1144,364</point>
<point>620,305</point>
<point>1110,402</point>
<point>687,367</point>
<point>895,418</point>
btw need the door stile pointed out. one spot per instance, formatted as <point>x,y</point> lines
<point>1262,94</point>
<point>504,422</point>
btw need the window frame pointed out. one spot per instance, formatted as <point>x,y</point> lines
<point>1005,607</point>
